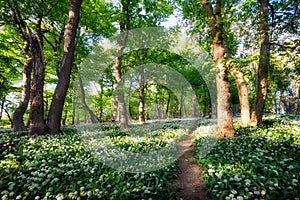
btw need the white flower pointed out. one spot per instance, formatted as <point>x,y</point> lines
<point>295,181</point>
<point>59,196</point>
<point>239,198</point>
<point>233,191</point>
<point>263,192</point>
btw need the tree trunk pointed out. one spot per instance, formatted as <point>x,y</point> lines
<point>9,118</point>
<point>220,52</point>
<point>101,103</point>
<point>243,94</point>
<point>2,107</point>
<point>181,114</point>
<point>57,104</point>
<point>195,106</point>
<point>65,118</point>
<point>85,106</point>
<point>142,98</point>
<point>36,117</point>
<point>18,114</point>
<point>263,67</point>
<point>168,103</point>
<point>283,103</point>
<point>121,43</point>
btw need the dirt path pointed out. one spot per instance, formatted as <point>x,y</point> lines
<point>189,178</point>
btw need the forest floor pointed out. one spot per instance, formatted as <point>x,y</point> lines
<point>189,179</point>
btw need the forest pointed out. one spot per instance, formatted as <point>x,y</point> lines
<point>149,99</point>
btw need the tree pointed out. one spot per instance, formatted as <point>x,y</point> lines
<point>18,120</point>
<point>56,108</point>
<point>264,62</point>
<point>220,54</point>
<point>37,121</point>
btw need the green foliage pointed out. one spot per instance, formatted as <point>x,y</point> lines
<point>257,163</point>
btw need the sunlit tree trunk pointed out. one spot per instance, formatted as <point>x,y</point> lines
<point>242,93</point>
<point>264,60</point>
<point>57,104</point>
<point>121,44</point>
<point>120,95</point>
<point>220,52</point>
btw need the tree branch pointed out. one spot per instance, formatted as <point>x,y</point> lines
<point>53,47</point>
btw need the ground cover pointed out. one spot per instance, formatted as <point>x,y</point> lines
<point>258,163</point>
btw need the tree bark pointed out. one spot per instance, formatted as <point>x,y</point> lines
<point>57,104</point>
<point>36,117</point>
<point>101,103</point>
<point>220,52</point>
<point>121,44</point>
<point>168,103</point>
<point>85,106</point>
<point>142,97</point>
<point>9,118</point>
<point>18,115</point>
<point>263,67</point>
<point>242,93</point>
<point>195,106</point>
<point>65,118</point>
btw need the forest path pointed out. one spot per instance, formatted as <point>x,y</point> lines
<point>189,180</point>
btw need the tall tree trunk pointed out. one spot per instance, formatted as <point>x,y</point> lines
<point>65,118</point>
<point>120,96</point>
<point>57,104</point>
<point>283,103</point>
<point>85,106</point>
<point>101,103</point>
<point>18,115</point>
<point>2,107</point>
<point>168,103</point>
<point>263,67</point>
<point>142,97</point>
<point>9,118</point>
<point>121,44</point>
<point>36,117</point>
<point>220,52</point>
<point>181,105</point>
<point>196,106</point>
<point>242,93</point>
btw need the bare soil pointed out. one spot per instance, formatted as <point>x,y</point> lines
<point>189,182</point>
